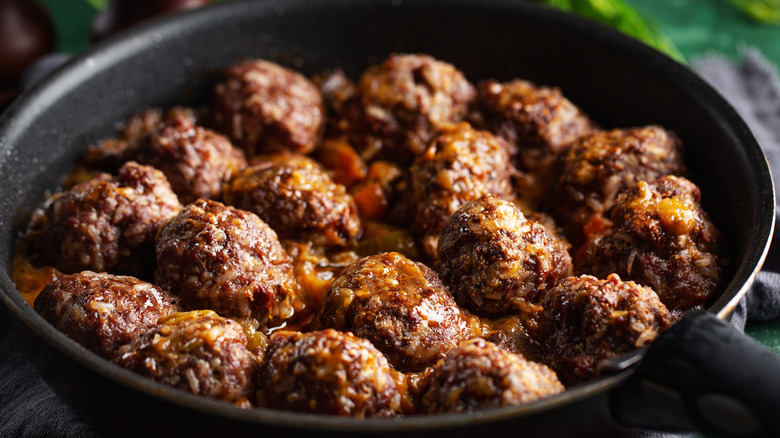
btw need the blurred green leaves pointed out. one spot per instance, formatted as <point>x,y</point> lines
<point>99,5</point>
<point>763,11</point>
<point>623,17</point>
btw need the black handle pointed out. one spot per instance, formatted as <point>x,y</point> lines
<point>702,374</point>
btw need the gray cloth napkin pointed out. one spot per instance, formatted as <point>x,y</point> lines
<point>752,87</point>
<point>28,408</point>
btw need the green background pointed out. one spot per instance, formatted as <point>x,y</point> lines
<point>697,27</point>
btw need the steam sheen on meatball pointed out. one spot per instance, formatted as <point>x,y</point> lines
<point>399,305</point>
<point>329,372</point>
<point>660,237</point>
<point>587,320</point>
<point>106,223</point>
<point>400,104</point>
<point>461,164</point>
<point>102,311</point>
<point>196,351</point>
<point>496,261</point>
<point>264,107</point>
<point>479,375</point>
<point>601,165</point>
<point>298,200</point>
<point>216,257</point>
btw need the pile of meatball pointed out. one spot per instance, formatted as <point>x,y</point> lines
<point>410,243</point>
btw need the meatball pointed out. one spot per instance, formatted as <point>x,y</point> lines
<point>196,351</point>
<point>496,261</point>
<point>109,154</point>
<point>538,123</point>
<point>400,104</point>
<point>149,121</point>
<point>661,238</point>
<point>298,200</point>
<point>601,165</point>
<point>216,257</point>
<point>587,320</point>
<point>329,372</point>
<point>399,305</point>
<point>102,311</point>
<point>264,107</point>
<point>461,164</point>
<point>105,224</point>
<point>479,375</point>
<point>195,160</point>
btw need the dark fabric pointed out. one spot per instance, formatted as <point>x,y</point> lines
<point>752,87</point>
<point>763,301</point>
<point>28,407</point>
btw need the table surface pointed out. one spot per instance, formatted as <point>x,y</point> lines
<point>698,27</point>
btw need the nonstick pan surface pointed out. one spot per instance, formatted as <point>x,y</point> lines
<point>617,81</point>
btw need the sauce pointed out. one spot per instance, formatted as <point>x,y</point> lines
<point>31,280</point>
<point>675,216</point>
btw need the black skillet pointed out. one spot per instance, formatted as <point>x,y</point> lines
<point>618,81</point>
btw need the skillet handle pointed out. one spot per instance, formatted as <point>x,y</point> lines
<point>702,374</point>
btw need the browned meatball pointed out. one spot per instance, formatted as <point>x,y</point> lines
<point>298,200</point>
<point>195,160</point>
<point>264,107</point>
<point>216,257</point>
<point>661,238</point>
<point>399,305</point>
<point>329,372</point>
<point>109,154</point>
<point>601,165</point>
<point>538,123</point>
<point>102,311</point>
<point>149,121</point>
<point>496,261</point>
<point>587,320</point>
<point>196,351</point>
<point>461,164</point>
<point>479,375</point>
<point>106,224</point>
<point>400,104</point>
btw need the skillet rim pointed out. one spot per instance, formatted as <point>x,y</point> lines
<point>22,113</point>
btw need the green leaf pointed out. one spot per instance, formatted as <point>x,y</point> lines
<point>623,17</point>
<point>763,11</point>
<point>99,5</point>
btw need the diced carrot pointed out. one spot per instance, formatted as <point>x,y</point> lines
<point>371,200</point>
<point>339,156</point>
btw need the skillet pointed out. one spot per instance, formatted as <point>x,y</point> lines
<point>617,81</point>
